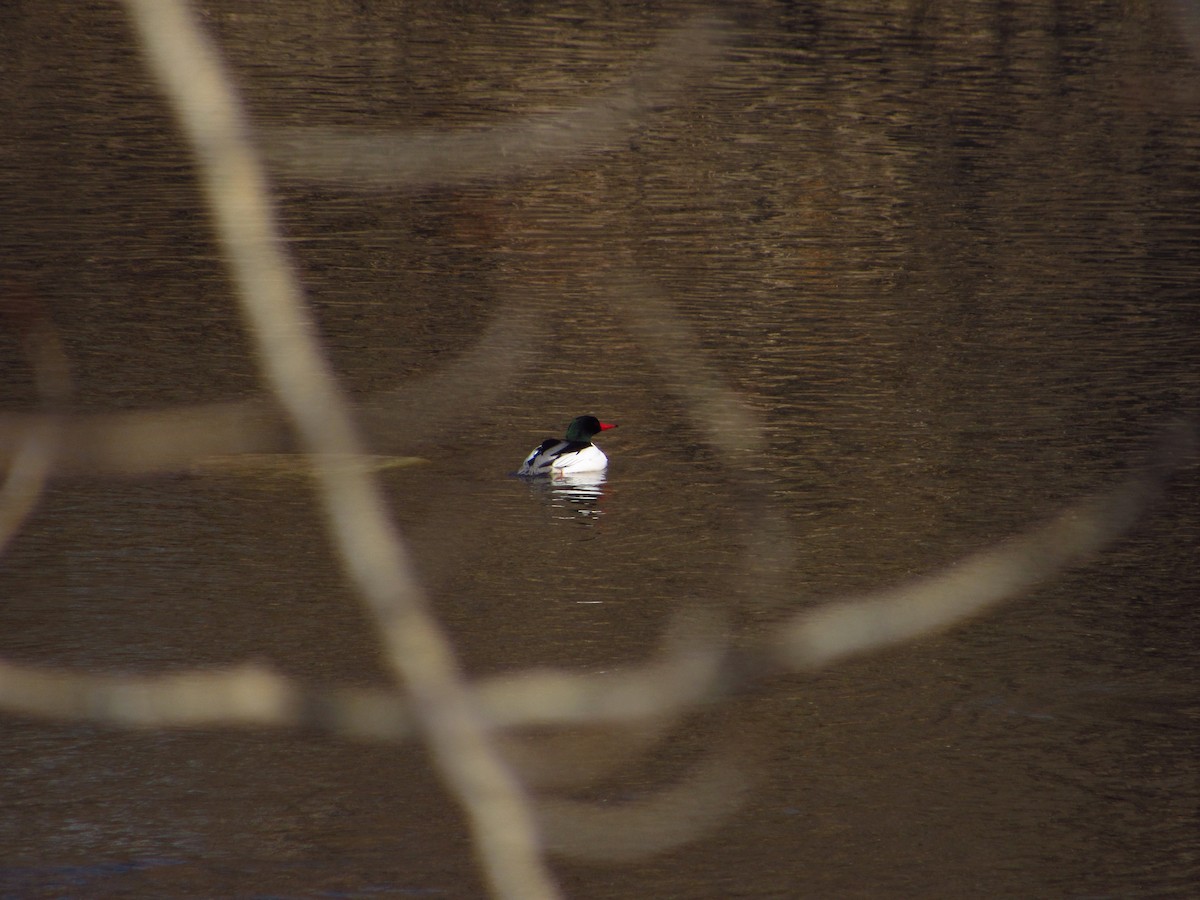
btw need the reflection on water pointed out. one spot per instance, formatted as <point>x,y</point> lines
<point>578,499</point>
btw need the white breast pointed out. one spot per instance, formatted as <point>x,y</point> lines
<point>589,459</point>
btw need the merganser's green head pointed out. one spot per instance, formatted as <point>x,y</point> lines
<point>584,428</point>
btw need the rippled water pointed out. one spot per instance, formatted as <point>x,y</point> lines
<point>947,256</point>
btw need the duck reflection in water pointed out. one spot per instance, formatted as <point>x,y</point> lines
<point>573,498</point>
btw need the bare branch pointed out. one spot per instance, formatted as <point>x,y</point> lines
<point>150,441</point>
<point>678,680</point>
<point>716,788</point>
<point>175,439</point>
<point>370,546</point>
<point>36,447</point>
<point>693,667</point>
<point>535,143</point>
<point>974,584</point>
<point>26,477</point>
<point>247,695</point>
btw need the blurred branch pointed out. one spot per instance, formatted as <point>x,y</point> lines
<point>535,143</point>
<point>26,477</point>
<point>432,406</point>
<point>974,584</point>
<point>370,546</point>
<point>727,421</point>
<point>36,447</point>
<point>696,666</point>
<point>693,668</point>
<point>175,439</point>
<point>716,788</point>
<point>151,441</point>
<point>677,680</point>
<point>247,695</point>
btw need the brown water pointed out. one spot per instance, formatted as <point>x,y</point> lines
<point>946,252</point>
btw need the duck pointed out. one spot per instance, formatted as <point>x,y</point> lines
<point>573,454</point>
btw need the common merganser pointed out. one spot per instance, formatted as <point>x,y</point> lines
<point>573,454</point>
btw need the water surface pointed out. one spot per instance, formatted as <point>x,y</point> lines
<point>947,257</point>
